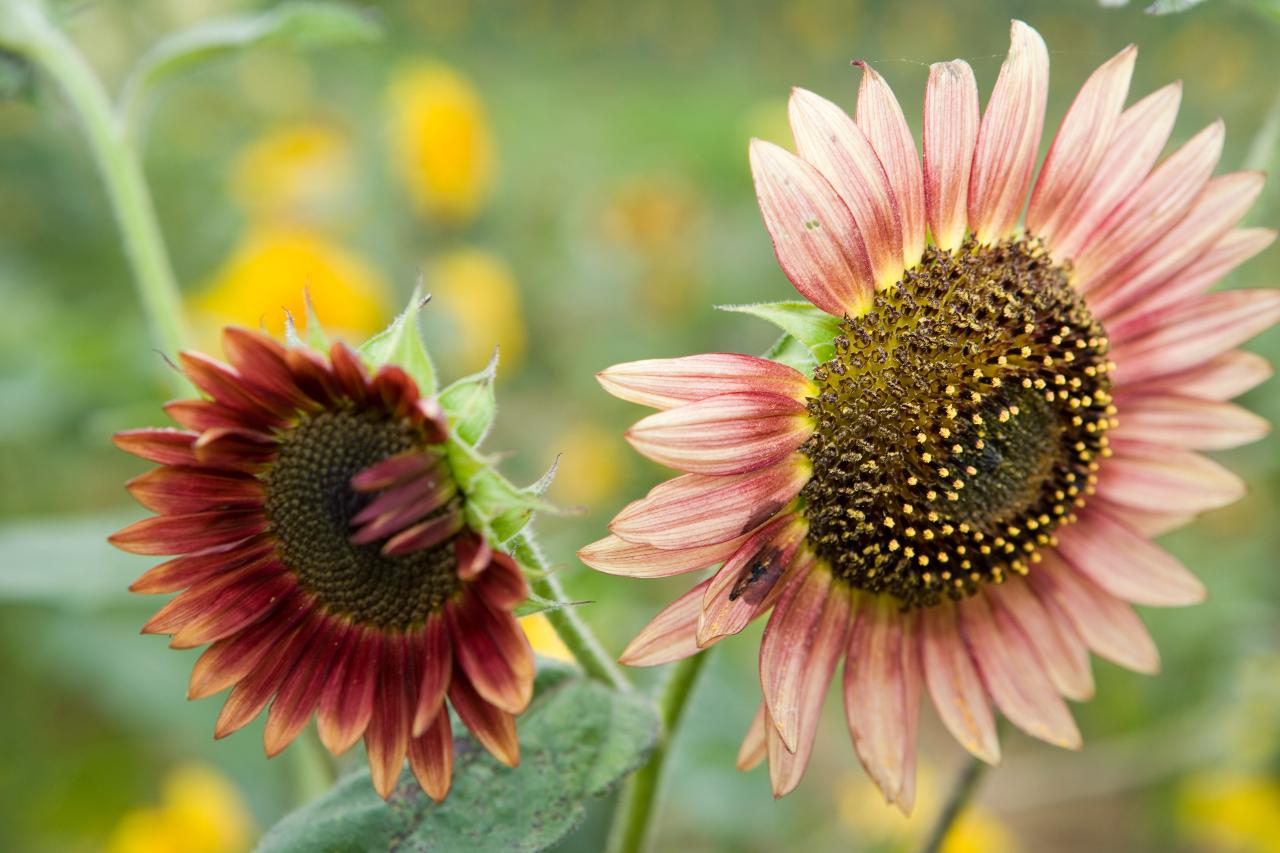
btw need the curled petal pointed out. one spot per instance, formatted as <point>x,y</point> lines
<point>663,383</point>
<point>951,119</point>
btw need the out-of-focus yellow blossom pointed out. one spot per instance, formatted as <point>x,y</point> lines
<point>200,811</point>
<point>862,808</point>
<point>658,220</point>
<point>270,272</point>
<point>441,144</point>
<point>1227,810</point>
<point>476,291</point>
<point>589,471</point>
<point>544,639</point>
<point>294,173</point>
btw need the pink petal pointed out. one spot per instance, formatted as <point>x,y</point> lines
<point>1108,625</point>
<point>880,116</point>
<point>786,767</point>
<point>617,556</point>
<point>815,237</point>
<point>1149,211</point>
<point>1058,645</point>
<point>957,691</point>
<point>804,640</point>
<point>754,746</point>
<point>1014,676</point>
<point>1077,151</point>
<point>1223,377</point>
<point>827,138</point>
<point>950,134</point>
<point>1166,479</point>
<point>664,383</point>
<point>728,434</point>
<point>1127,564</point>
<point>1187,422</point>
<point>701,509</point>
<point>671,635</point>
<point>1136,144</point>
<point>1220,205</point>
<point>1195,331</point>
<point>1147,521</point>
<point>882,691</point>
<point>751,580</point>
<point>1009,137</point>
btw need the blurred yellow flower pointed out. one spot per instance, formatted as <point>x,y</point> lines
<point>1228,810</point>
<point>200,811</point>
<point>658,220</point>
<point>293,173</point>
<point>590,469</point>
<point>269,273</point>
<point>477,293</point>
<point>442,147</point>
<point>544,639</point>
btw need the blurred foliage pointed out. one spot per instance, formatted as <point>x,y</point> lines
<point>600,206</point>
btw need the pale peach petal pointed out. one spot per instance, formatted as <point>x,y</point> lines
<point>1013,675</point>
<point>1149,211</point>
<point>1058,645</point>
<point>880,116</point>
<point>728,434</point>
<point>951,117</point>
<point>1166,479</point>
<point>1009,137</point>
<point>663,383</point>
<point>828,139</point>
<point>804,640</point>
<point>1147,521</point>
<point>882,691</point>
<point>961,700</point>
<point>1106,623</point>
<point>754,746</point>
<point>669,636</point>
<point>1134,148</point>
<point>1194,331</point>
<point>815,237</point>
<point>1127,564</point>
<point>1220,205</point>
<point>1080,145</point>
<point>1223,377</point>
<point>1187,422</point>
<point>786,767</point>
<point>701,509</point>
<point>752,579</point>
<point>616,556</point>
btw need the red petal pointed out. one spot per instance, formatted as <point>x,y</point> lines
<point>185,534</point>
<point>502,584</point>
<point>251,695</point>
<point>492,726</point>
<point>301,690</point>
<point>431,757</point>
<point>347,703</point>
<point>435,664</point>
<point>387,738</point>
<point>182,572</point>
<point>177,490</point>
<point>493,651</point>
<point>166,446</point>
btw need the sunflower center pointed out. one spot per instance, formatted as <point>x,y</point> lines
<point>960,422</point>
<point>310,504</point>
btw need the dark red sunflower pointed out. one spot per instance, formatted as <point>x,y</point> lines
<point>322,547</point>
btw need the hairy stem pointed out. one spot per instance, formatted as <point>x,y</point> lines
<point>27,30</point>
<point>966,786</point>
<point>633,815</point>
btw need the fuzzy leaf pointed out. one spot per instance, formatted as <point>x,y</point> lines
<point>577,739</point>
<point>401,344</point>
<point>811,326</point>
<point>470,403</point>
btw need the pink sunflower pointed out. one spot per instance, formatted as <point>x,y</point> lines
<point>959,488</point>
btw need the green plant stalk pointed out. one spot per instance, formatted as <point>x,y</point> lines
<point>586,649</point>
<point>29,31</point>
<point>633,814</point>
<point>966,786</point>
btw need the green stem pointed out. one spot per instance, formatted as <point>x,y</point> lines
<point>633,815</point>
<point>591,656</point>
<point>27,29</point>
<point>966,786</point>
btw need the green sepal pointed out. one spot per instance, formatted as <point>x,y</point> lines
<point>317,338</point>
<point>787,350</point>
<point>494,502</point>
<point>471,405</point>
<point>811,326</point>
<point>535,604</point>
<point>401,344</point>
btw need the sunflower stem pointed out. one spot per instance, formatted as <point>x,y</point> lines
<point>966,786</point>
<point>586,649</point>
<point>633,814</point>
<point>26,28</point>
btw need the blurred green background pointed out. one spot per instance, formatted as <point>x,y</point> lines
<point>571,178</point>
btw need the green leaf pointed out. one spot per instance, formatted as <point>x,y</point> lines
<point>787,350</point>
<point>293,24</point>
<point>1171,7</point>
<point>811,326</point>
<point>66,562</point>
<point>471,405</point>
<point>576,740</point>
<point>401,344</point>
